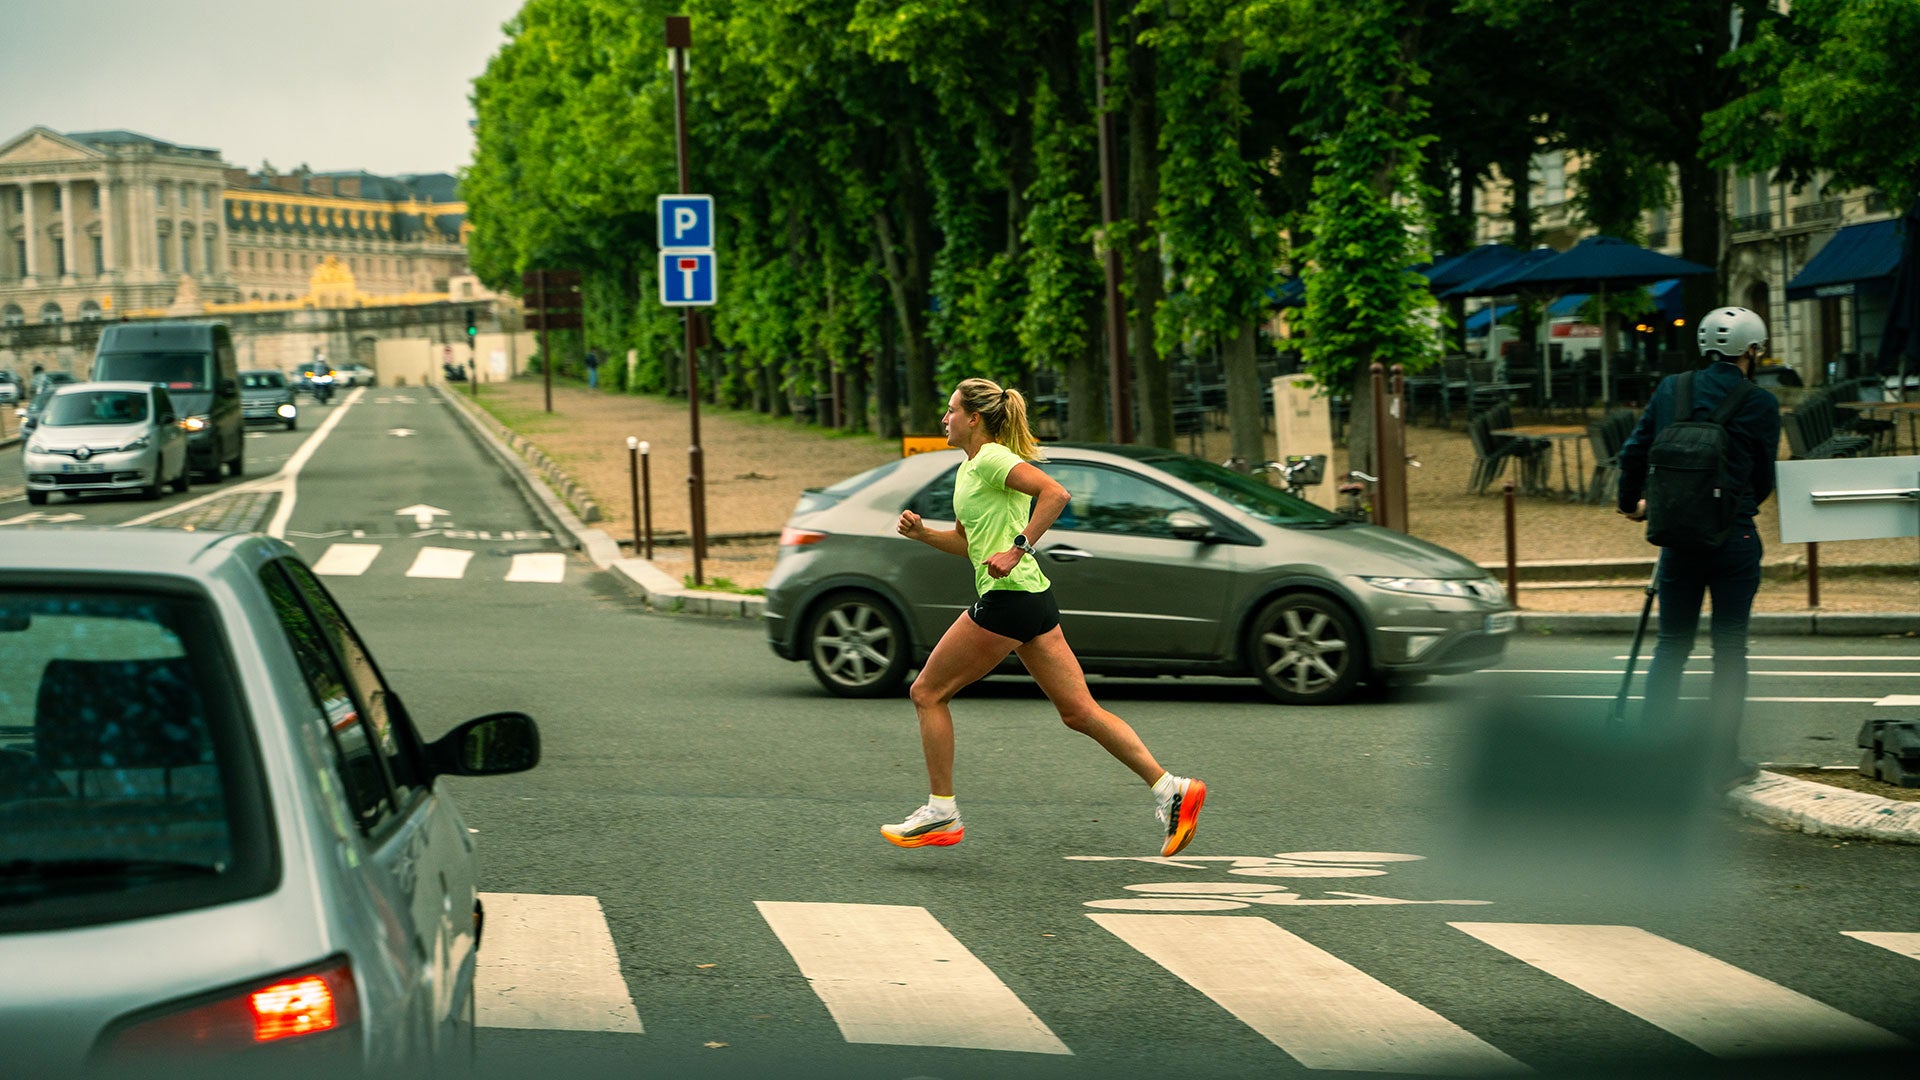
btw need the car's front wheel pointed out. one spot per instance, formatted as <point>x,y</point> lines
<point>36,498</point>
<point>856,645</point>
<point>1306,649</point>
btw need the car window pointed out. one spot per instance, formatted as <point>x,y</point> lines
<point>357,764</point>
<point>175,371</point>
<point>1249,494</point>
<point>1103,499</point>
<point>82,408</point>
<point>935,501</point>
<point>127,782</point>
<point>379,709</point>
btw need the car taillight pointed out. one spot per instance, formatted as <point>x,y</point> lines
<point>286,1007</point>
<point>792,537</point>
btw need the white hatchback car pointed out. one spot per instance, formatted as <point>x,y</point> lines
<point>223,844</point>
<point>106,436</point>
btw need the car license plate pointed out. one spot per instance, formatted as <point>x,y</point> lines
<point>80,467</point>
<point>1503,622</point>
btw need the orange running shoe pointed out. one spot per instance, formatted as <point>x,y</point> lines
<point>926,827</point>
<point>1180,813</point>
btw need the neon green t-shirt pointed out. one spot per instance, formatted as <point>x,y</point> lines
<point>993,514</point>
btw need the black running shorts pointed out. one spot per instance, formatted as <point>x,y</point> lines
<point>1011,613</point>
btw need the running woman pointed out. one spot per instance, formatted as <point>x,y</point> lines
<point>1002,505</point>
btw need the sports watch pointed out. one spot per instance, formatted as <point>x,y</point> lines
<point>1020,541</point>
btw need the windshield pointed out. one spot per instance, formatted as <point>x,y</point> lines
<point>178,371</point>
<point>86,408</point>
<point>262,380</point>
<point>1248,493</point>
<point>117,761</point>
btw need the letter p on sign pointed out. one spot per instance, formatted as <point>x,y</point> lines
<point>686,222</point>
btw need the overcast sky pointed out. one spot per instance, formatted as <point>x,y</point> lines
<point>381,85</point>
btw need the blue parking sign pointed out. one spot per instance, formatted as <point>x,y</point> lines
<point>686,222</point>
<point>688,278</point>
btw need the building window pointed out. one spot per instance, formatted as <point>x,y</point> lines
<point>20,256</point>
<point>13,316</point>
<point>20,202</point>
<point>94,188</point>
<point>59,196</point>
<point>286,260</point>
<point>160,251</point>
<point>208,261</point>
<point>60,256</point>
<point>50,313</point>
<point>159,194</point>
<point>99,255</point>
<point>206,197</point>
<point>89,311</point>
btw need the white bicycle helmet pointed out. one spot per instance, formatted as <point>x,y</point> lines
<point>1730,331</point>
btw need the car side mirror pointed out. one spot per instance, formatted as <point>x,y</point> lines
<point>503,742</point>
<point>1187,525</point>
<point>168,418</point>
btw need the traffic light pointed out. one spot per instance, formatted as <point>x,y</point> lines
<point>473,326</point>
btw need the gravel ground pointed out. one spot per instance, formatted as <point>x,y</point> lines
<point>757,467</point>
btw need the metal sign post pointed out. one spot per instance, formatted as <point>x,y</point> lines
<point>689,271</point>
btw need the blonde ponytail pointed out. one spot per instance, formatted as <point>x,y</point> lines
<point>1004,411</point>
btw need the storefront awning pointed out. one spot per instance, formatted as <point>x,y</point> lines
<point>1859,258</point>
<point>1665,293</point>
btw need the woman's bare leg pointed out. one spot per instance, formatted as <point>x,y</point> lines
<point>966,652</point>
<point>1057,670</point>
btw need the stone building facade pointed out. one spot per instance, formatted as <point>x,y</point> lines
<point>97,225</point>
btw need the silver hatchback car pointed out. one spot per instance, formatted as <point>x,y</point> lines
<point>1163,564</point>
<point>223,844</point>
<point>106,436</point>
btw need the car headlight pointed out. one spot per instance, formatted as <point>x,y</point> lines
<point>1466,590</point>
<point>323,378</point>
<point>36,448</point>
<point>286,412</point>
<point>195,423</point>
<point>140,443</point>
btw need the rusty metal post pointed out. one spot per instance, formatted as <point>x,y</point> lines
<point>646,499</point>
<point>1377,379</point>
<point>693,501</point>
<point>1813,575</point>
<point>1513,566</point>
<point>679,42</point>
<point>633,484</point>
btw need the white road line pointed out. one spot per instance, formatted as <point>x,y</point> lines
<point>346,560</point>
<point>1901,700</point>
<point>1750,699</point>
<point>1704,673</point>
<point>547,566</point>
<point>548,962</point>
<point>1321,1010</point>
<point>439,562</point>
<point>893,975</point>
<point>1904,944</point>
<point>1709,1003</point>
<point>1882,659</point>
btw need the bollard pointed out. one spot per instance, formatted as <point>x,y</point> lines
<point>646,498</point>
<point>1813,575</point>
<point>633,485</point>
<point>1513,571</point>
<point>693,507</point>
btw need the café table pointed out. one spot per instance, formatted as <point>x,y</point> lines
<point>1895,410</point>
<point>1560,434</point>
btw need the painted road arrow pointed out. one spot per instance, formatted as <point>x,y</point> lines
<point>50,519</point>
<point>421,513</point>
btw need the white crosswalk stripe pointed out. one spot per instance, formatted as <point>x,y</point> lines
<point>894,975</point>
<point>358,559</point>
<point>548,963</point>
<point>1323,1011</point>
<point>1709,1003</point>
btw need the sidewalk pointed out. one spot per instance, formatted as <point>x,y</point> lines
<point>573,510</point>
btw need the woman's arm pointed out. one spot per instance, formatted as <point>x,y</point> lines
<point>952,541</point>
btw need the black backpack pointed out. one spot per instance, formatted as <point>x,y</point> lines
<point>1689,504</point>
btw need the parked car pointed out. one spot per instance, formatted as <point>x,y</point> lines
<point>10,391</point>
<point>227,849</point>
<point>44,381</point>
<point>106,436</point>
<point>1164,564</point>
<point>266,398</point>
<point>353,375</point>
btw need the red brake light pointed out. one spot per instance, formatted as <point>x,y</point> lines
<point>792,537</point>
<point>305,1003</point>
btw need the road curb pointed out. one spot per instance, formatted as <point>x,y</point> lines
<point>1824,810</point>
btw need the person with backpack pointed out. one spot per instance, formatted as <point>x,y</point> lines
<point>1696,468</point>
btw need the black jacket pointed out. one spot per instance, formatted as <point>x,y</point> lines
<point>1753,437</point>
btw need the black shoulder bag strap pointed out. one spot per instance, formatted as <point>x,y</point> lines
<point>1683,397</point>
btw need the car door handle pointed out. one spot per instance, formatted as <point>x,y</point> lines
<point>1063,553</point>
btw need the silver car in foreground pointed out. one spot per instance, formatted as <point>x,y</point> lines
<point>224,846</point>
<point>1163,564</point>
<point>106,436</point>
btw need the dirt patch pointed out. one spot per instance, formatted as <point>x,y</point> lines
<point>1852,780</point>
<point>757,467</point>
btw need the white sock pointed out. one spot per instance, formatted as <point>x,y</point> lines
<point>1163,788</point>
<point>943,804</point>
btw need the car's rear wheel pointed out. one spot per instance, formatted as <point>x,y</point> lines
<point>185,480</point>
<point>1306,649</point>
<point>857,645</point>
<point>36,498</point>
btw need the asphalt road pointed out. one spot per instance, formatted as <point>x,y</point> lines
<point>1468,876</point>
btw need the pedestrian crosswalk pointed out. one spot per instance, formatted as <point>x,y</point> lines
<point>895,975</point>
<point>447,563</point>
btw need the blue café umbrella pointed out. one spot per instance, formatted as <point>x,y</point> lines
<point>1469,265</point>
<point>1594,265</point>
